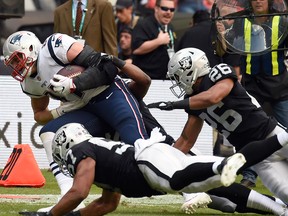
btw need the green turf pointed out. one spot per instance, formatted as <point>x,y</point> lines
<point>10,207</point>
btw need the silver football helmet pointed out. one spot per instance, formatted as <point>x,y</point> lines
<point>184,68</point>
<point>65,138</point>
<point>20,52</point>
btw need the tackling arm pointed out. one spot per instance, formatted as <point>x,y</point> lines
<point>189,134</point>
<point>105,204</point>
<point>42,115</point>
<point>212,96</point>
<point>202,100</point>
<point>140,81</point>
<point>82,183</point>
<point>92,77</point>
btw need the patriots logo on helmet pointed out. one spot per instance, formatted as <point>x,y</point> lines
<point>16,39</point>
<point>58,41</point>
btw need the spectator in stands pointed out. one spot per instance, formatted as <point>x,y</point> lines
<point>93,28</point>
<point>125,45</point>
<point>125,16</point>
<point>153,40</point>
<point>208,42</point>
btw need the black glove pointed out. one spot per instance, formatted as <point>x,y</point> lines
<point>162,105</point>
<point>116,61</point>
<point>170,105</point>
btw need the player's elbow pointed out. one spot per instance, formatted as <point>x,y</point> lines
<point>40,120</point>
<point>214,99</point>
<point>147,81</point>
<point>109,203</point>
<point>80,195</point>
<point>112,206</point>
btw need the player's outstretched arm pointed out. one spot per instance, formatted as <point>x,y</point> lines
<point>140,81</point>
<point>105,204</point>
<point>82,183</point>
<point>42,115</point>
<point>170,105</point>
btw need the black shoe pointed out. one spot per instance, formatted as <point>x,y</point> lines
<point>247,183</point>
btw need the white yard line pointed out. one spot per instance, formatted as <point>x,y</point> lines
<point>51,199</point>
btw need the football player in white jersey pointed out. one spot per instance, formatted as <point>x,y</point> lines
<point>103,93</point>
<point>213,95</point>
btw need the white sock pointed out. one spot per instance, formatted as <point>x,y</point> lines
<point>261,202</point>
<point>46,139</point>
<point>64,182</point>
<point>215,166</point>
<point>283,138</point>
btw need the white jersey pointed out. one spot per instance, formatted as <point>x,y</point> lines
<point>52,58</point>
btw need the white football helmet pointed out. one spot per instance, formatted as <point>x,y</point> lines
<point>65,138</point>
<point>20,52</point>
<point>184,68</point>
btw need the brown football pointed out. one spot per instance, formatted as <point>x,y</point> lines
<point>71,71</point>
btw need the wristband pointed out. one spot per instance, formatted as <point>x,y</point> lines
<point>118,62</point>
<point>55,113</point>
<point>183,104</point>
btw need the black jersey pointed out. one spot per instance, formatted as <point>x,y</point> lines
<point>116,169</point>
<point>236,116</point>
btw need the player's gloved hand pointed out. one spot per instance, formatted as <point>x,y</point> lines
<point>62,85</point>
<point>141,144</point>
<point>156,136</point>
<point>66,107</point>
<point>116,61</point>
<point>170,105</point>
<point>162,105</point>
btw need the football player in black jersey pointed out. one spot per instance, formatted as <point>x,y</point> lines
<point>213,95</point>
<point>148,168</point>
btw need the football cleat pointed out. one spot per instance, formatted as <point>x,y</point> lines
<point>229,167</point>
<point>199,200</point>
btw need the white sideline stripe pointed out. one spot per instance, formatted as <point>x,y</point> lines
<point>52,199</point>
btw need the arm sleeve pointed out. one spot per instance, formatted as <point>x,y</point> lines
<point>96,73</point>
<point>94,77</point>
<point>88,57</point>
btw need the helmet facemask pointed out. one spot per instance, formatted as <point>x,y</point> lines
<point>21,65</point>
<point>57,157</point>
<point>65,138</point>
<point>180,88</point>
<point>20,51</point>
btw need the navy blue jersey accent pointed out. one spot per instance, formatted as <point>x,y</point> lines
<point>49,44</point>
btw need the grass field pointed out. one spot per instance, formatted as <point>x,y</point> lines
<point>15,199</point>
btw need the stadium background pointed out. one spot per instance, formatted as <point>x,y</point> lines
<point>17,125</point>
